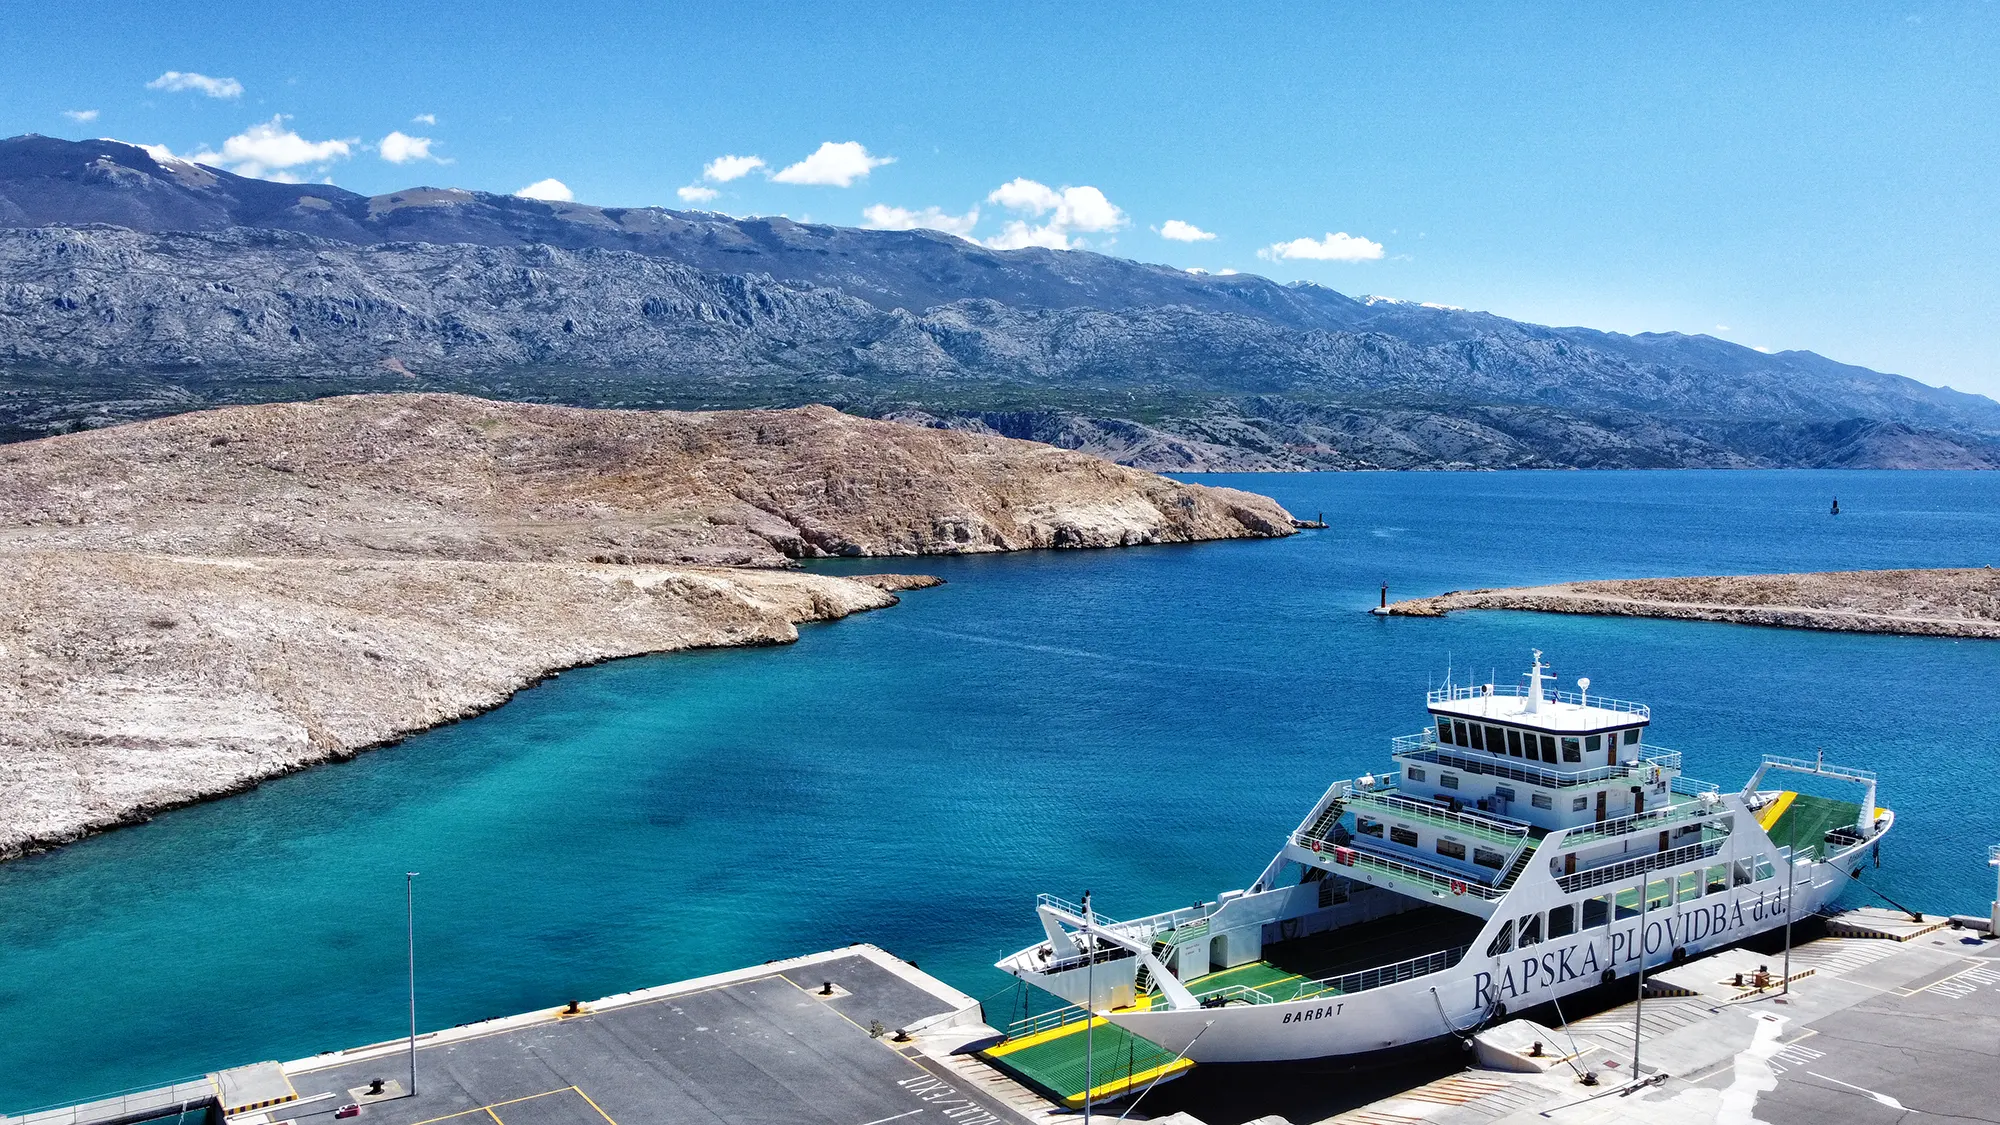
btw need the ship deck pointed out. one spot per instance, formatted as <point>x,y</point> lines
<point>1290,970</point>
<point>1802,820</point>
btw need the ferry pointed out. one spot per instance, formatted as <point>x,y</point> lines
<point>1528,844</point>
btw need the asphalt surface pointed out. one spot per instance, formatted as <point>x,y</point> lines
<point>764,1050</point>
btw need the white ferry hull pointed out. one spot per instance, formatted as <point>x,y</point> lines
<point>1449,1003</point>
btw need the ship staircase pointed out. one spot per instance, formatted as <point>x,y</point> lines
<point>1072,1056</point>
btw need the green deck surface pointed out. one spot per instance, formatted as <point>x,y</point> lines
<point>1290,968</point>
<point>1060,1065</point>
<point>1807,821</point>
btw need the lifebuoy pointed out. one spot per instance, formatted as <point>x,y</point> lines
<point>1457,887</point>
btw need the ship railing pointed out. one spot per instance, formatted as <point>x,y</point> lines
<point>1498,829</point>
<point>1102,955</point>
<point>1068,907</point>
<point>1808,765</point>
<point>1645,821</point>
<point>1618,872</point>
<point>1426,748</point>
<point>1357,854</point>
<point>1346,984</point>
<point>1464,692</point>
<point>1694,786</point>
<point>1047,1021</point>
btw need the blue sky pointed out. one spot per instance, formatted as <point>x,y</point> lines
<point>1821,176</point>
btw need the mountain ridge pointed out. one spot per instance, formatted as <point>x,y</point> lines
<point>202,287</point>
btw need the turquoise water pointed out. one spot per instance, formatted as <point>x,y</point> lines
<point>1144,723</point>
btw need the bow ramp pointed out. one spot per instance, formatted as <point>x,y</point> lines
<point>1074,1059</point>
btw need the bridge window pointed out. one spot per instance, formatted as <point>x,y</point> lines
<point>1562,921</point>
<point>1549,748</point>
<point>1478,737</point>
<point>1458,734</point>
<point>1451,849</point>
<point>1542,801</point>
<point>1593,742</point>
<point>1596,911</point>
<point>1572,750</point>
<point>1514,743</point>
<point>1487,857</point>
<point>1496,740</point>
<point>1401,835</point>
<point>1502,941</point>
<point>1530,930</point>
<point>1631,736</point>
<point>1444,730</point>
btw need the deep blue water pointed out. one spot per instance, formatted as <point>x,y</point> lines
<point>1145,723</point>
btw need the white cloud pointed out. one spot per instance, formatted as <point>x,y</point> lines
<point>552,190</point>
<point>726,168</point>
<point>833,165</point>
<point>424,119</point>
<point>1225,273</point>
<point>1722,328</point>
<point>265,150</point>
<point>178,80</point>
<point>400,148</point>
<point>695,193</point>
<point>1069,210</point>
<point>881,216</point>
<point>80,116</point>
<point>1184,232</point>
<point>1342,247</point>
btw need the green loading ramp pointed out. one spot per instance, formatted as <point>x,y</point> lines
<point>1055,1062</point>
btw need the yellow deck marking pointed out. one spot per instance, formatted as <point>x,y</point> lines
<point>488,1109</point>
<point>1770,816</point>
<point>494,1116</point>
<point>1013,1045</point>
<point>1119,1085</point>
<point>593,1104</point>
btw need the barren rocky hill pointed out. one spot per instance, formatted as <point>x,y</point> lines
<point>1937,603</point>
<point>446,476</point>
<point>203,601</point>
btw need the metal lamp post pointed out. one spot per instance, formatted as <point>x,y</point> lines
<point>410,920</point>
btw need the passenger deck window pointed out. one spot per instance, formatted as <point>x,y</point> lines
<point>1596,911</point>
<point>1578,804</point>
<point>1514,743</point>
<point>1505,792</point>
<point>1414,773</point>
<point>1542,801</point>
<point>1562,921</point>
<point>1368,826</point>
<point>1401,835</point>
<point>1487,857</point>
<point>1502,941</point>
<point>1448,780</point>
<point>1451,849</point>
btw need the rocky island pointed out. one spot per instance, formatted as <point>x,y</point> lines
<point>200,602</point>
<point>1930,603</point>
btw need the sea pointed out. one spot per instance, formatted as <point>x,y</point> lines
<point>1144,723</point>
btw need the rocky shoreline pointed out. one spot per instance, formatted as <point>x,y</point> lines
<point>200,603</point>
<point>1927,603</point>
